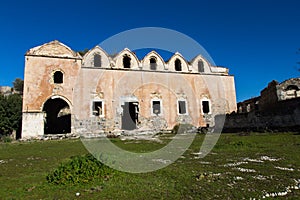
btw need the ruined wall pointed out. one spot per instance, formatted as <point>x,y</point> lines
<point>248,105</point>
<point>285,117</point>
<point>288,89</point>
<point>278,108</point>
<point>268,97</point>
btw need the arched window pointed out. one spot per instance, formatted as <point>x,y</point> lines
<point>292,87</point>
<point>153,64</point>
<point>177,65</point>
<point>58,77</point>
<point>97,60</point>
<point>126,61</point>
<point>200,66</point>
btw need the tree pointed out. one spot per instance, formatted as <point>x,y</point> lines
<point>18,85</point>
<point>83,52</point>
<point>10,113</point>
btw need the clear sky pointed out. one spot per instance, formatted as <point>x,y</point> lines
<point>257,40</point>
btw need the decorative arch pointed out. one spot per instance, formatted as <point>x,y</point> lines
<point>146,64</point>
<point>200,65</point>
<point>96,58</point>
<point>119,59</point>
<point>174,61</point>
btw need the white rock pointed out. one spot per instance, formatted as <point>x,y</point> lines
<point>267,195</point>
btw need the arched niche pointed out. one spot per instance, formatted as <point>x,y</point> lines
<point>200,65</point>
<point>126,60</point>
<point>148,62</point>
<point>96,58</point>
<point>177,63</point>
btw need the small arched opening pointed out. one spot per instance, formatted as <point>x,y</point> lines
<point>58,77</point>
<point>153,64</point>
<point>97,60</point>
<point>292,87</point>
<point>57,116</point>
<point>178,65</point>
<point>126,61</point>
<point>200,66</point>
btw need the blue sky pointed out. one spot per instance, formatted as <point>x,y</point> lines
<point>257,40</point>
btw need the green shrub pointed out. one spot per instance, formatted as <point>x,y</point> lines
<point>6,138</point>
<point>80,169</point>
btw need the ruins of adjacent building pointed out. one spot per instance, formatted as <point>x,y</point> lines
<point>277,108</point>
<point>6,90</point>
<point>67,93</point>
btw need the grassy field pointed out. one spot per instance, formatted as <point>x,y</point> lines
<point>239,167</point>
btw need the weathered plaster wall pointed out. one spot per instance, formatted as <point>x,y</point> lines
<point>38,81</point>
<point>33,124</point>
<point>110,83</point>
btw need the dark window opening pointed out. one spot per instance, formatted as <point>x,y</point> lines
<point>153,64</point>
<point>177,65</point>
<point>200,66</point>
<point>156,107</point>
<point>130,115</point>
<point>256,106</point>
<point>126,61</point>
<point>97,60</point>
<point>292,87</point>
<point>58,77</point>
<point>205,107</point>
<point>97,108</point>
<point>181,107</point>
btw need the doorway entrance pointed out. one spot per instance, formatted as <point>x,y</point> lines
<point>58,117</point>
<point>130,115</point>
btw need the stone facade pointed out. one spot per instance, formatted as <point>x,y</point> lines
<point>65,92</point>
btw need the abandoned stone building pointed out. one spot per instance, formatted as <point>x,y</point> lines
<point>277,108</point>
<point>65,92</point>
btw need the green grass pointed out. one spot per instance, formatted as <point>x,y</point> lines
<point>26,165</point>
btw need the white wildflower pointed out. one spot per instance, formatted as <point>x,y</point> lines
<point>253,160</point>
<point>260,177</point>
<point>267,158</point>
<point>284,168</point>
<point>245,170</point>
<point>237,178</point>
<point>235,164</point>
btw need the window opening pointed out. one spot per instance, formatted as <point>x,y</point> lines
<point>58,77</point>
<point>177,65</point>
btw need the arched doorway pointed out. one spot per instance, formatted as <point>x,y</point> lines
<point>57,116</point>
